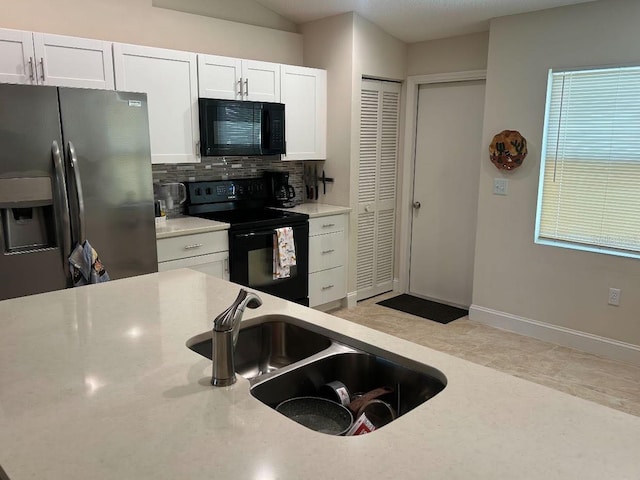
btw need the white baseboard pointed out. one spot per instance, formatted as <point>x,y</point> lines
<point>352,299</point>
<point>586,342</point>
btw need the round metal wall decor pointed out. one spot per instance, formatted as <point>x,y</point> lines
<point>508,150</point>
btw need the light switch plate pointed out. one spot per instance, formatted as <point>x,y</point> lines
<point>500,186</point>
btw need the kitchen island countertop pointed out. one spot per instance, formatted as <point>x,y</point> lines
<point>97,383</point>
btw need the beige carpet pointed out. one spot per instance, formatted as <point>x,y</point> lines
<point>609,383</point>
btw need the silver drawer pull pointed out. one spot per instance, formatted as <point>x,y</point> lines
<point>327,287</point>
<point>191,247</point>
<point>324,252</point>
<point>327,225</point>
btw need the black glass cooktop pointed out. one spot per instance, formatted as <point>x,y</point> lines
<point>255,217</point>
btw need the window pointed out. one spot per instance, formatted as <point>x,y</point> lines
<point>589,193</point>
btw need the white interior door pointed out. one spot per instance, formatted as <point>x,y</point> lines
<point>379,120</point>
<point>447,169</point>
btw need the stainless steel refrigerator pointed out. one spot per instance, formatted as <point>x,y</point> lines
<point>75,165</point>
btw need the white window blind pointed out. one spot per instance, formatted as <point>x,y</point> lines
<point>589,196</point>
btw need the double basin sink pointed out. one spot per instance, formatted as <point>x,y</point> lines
<point>283,358</point>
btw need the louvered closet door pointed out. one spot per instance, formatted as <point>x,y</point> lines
<point>379,118</point>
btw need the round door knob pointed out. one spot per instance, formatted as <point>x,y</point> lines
<point>416,205</point>
<point>367,208</point>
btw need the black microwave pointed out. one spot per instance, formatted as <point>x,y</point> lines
<point>241,128</point>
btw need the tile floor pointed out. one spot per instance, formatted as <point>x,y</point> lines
<point>607,382</point>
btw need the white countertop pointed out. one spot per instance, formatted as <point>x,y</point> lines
<point>97,383</point>
<point>184,225</point>
<point>318,209</point>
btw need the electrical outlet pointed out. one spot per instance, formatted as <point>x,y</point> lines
<point>499,186</point>
<point>614,296</point>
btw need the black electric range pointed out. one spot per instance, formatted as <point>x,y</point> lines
<point>243,204</point>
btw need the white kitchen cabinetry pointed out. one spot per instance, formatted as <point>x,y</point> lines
<point>237,79</point>
<point>44,59</point>
<point>169,78</point>
<point>304,93</point>
<point>327,259</point>
<point>205,252</point>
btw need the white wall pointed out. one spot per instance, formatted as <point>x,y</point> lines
<point>454,54</point>
<point>349,47</point>
<point>328,44</point>
<point>138,22</point>
<point>512,274</point>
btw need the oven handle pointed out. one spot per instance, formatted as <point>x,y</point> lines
<point>255,234</point>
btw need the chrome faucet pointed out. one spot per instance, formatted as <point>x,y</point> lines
<point>226,327</point>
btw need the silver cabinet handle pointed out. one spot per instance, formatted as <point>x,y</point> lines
<point>240,87</point>
<point>78,184</point>
<point>42,66</point>
<point>62,202</point>
<point>246,87</point>
<point>226,265</point>
<point>32,75</point>
<point>195,245</point>
<point>328,287</point>
<point>324,252</point>
<point>328,225</point>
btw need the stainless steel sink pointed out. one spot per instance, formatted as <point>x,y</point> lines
<point>267,347</point>
<point>413,383</point>
<point>284,359</point>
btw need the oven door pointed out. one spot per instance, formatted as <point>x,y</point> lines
<point>251,263</point>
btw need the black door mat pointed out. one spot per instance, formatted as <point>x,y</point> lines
<point>438,312</point>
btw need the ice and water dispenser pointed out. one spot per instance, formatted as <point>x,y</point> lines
<point>27,214</point>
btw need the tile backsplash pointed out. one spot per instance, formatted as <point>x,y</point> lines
<point>219,168</point>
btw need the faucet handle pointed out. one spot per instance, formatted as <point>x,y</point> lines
<point>230,318</point>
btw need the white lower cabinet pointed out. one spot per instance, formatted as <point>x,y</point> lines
<point>327,259</point>
<point>205,252</point>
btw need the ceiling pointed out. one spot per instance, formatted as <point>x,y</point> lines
<point>414,20</point>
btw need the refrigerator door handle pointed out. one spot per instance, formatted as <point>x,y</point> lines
<point>78,187</point>
<point>63,205</point>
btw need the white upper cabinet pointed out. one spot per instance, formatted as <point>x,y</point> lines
<point>304,93</point>
<point>237,79</point>
<point>261,81</point>
<point>44,59</point>
<point>17,62</point>
<point>220,77</point>
<point>73,62</point>
<point>169,78</point>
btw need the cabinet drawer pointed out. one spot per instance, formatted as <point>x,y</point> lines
<point>173,248</point>
<point>327,286</point>
<point>326,251</point>
<point>331,223</point>
<point>215,264</point>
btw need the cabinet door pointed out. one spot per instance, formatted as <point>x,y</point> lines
<point>17,61</point>
<point>261,81</point>
<point>73,62</point>
<point>169,78</point>
<point>216,264</point>
<point>304,93</point>
<point>220,77</point>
